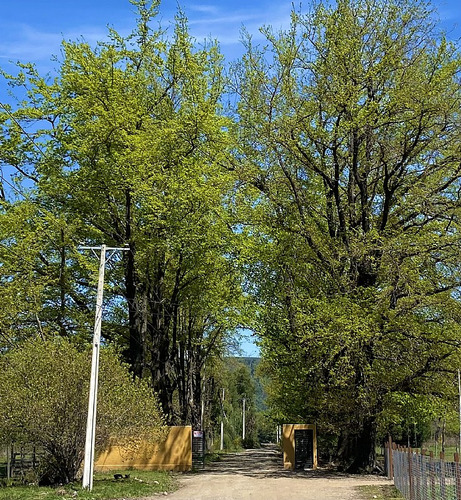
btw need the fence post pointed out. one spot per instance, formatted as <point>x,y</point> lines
<point>458,478</point>
<point>386,459</point>
<point>9,448</point>
<point>390,463</point>
<point>442,475</point>
<point>432,475</point>
<point>403,474</point>
<point>417,475</point>
<point>410,474</point>
<point>394,448</point>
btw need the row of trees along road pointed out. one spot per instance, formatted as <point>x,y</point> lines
<point>123,147</point>
<point>326,203</point>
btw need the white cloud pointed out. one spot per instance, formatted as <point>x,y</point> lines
<point>226,20</point>
<point>28,44</point>
<point>206,9</point>
<point>227,28</point>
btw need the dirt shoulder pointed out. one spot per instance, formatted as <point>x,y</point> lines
<point>259,475</point>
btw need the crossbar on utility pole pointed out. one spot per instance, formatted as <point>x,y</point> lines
<point>88,465</point>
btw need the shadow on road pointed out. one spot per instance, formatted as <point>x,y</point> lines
<point>263,462</point>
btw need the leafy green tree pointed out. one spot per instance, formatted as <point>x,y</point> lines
<point>349,142</point>
<point>44,387</point>
<point>233,380</point>
<point>127,150</point>
<point>46,282</point>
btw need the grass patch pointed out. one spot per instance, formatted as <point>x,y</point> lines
<point>379,492</point>
<point>105,487</point>
<point>449,451</point>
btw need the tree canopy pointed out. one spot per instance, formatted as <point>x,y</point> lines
<point>326,202</point>
<point>349,127</point>
<point>126,149</point>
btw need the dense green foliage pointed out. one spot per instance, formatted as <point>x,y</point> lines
<point>349,131</point>
<point>328,199</point>
<point>235,379</point>
<point>126,150</point>
<point>239,389</point>
<point>44,389</point>
<point>230,384</point>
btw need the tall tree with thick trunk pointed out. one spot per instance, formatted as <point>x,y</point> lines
<point>349,125</point>
<point>131,142</point>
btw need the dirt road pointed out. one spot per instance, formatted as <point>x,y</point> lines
<point>259,475</point>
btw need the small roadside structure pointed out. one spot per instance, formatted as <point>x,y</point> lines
<point>299,445</point>
<point>174,453</point>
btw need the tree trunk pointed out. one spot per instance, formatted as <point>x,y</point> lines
<point>356,449</point>
<point>136,312</point>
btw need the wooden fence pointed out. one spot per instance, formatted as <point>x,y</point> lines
<point>419,475</point>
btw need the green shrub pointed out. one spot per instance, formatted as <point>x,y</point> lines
<point>44,388</point>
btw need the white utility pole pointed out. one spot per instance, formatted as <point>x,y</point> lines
<point>202,415</point>
<point>88,465</point>
<point>221,446</point>
<point>243,419</point>
<point>222,422</point>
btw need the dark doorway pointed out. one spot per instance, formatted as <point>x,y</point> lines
<point>304,449</point>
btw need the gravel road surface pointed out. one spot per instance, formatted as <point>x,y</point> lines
<point>259,475</point>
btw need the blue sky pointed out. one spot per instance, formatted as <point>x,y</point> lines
<point>32,30</point>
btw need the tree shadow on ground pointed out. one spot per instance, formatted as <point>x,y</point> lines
<point>265,462</point>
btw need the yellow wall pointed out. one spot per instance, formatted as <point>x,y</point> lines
<point>175,453</point>
<point>288,443</point>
